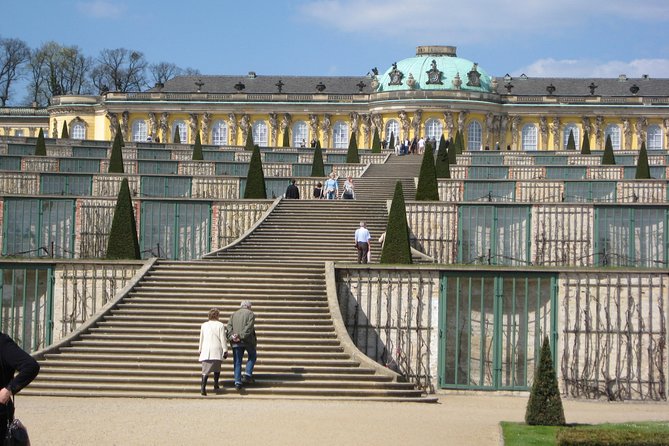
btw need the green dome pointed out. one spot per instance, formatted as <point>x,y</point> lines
<point>434,68</point>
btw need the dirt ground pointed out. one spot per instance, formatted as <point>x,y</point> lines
<point>456,420</point>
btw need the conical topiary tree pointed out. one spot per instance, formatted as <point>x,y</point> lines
<point>317,167</point>
<point>64,134</point>
<point>255,178</point>
<point>608,159</point>
<point>544,408</point>
<point>376,142</point>
<point>391,143</point>
<point>442,165</point>
<point>585,147</point>
<point>459,143</point>
<point>123,242</point>
<point>352,156</point>
<point>286,138</point>
<point>396,247</point>
<point>442,144</point>
<point>40,145</point>
<point>249,140</point>
<point>427,189</point>
<point>452,151</point>
<point>116,156</point>
<point>197,148</point>
<point>571,144</point>
<point>177,135</point>
<point>642,167</point>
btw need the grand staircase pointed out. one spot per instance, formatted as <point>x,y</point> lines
<point>146,344</point>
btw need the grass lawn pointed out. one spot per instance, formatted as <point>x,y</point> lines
<point>520,434</point>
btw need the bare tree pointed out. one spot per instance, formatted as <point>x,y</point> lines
<point>163,71</point>
<point>14,53</point>
<point>120,70</point>
<point>36,86</point>
<point>58,70</point>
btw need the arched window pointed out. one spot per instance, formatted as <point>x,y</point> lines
<point>434,129</point>
<point>139,130</point>
<point>300,134</point>
<point>78,130</point>
<point>219,133</point>
<point>260,133</point>
<point>340,135</point>
<point>614,131</point>
<point>183,130</point>
<point>474,136</point>
<point>565,136</point>
<point>392,127</point>
<point>654,138</point>
<point>529,137</point>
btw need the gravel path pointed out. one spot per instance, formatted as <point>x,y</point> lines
<point>455,420</point>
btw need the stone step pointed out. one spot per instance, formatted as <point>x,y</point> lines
<point>180,345</point>
<point>287,342</point>
<point>194,331</point>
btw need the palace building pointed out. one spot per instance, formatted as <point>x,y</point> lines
<point>432,93</point>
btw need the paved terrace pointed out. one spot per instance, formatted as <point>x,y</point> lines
<point>471,419</point>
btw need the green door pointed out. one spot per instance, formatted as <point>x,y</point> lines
<point>491,326</point>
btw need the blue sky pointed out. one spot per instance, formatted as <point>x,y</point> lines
<point>571,38</point>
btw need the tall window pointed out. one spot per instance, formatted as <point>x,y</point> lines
<point>654,138</point>
<point>340,135</point>
<point>392,127</point>
<point>614,131</point>
<point>78,130</point>
<point>139,130</point>
<point>260,133</point>
<point>183,130</point>
<point>219,133</point>
<point>434,129</point>
<point>565,136</point>
<point>18,132</point>
<point>474,136</point>
<point>529,137</point>
<point>300,134</point>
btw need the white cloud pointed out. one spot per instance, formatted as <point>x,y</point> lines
<point>438,21</point>
<point>101,9</point>
<point>655,68</point>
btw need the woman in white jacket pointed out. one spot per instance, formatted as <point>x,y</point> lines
<point>213,349</point>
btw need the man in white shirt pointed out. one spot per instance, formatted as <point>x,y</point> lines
<point>362,238</point>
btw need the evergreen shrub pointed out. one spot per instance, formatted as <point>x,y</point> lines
<point>544,408</point>
<point>255,179</point>
<point>396,247</point>
<point>123,242</point>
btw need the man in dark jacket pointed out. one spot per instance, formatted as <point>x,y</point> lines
<point>292,191</point>
<point>241,333</point>
<point>13,359</point>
